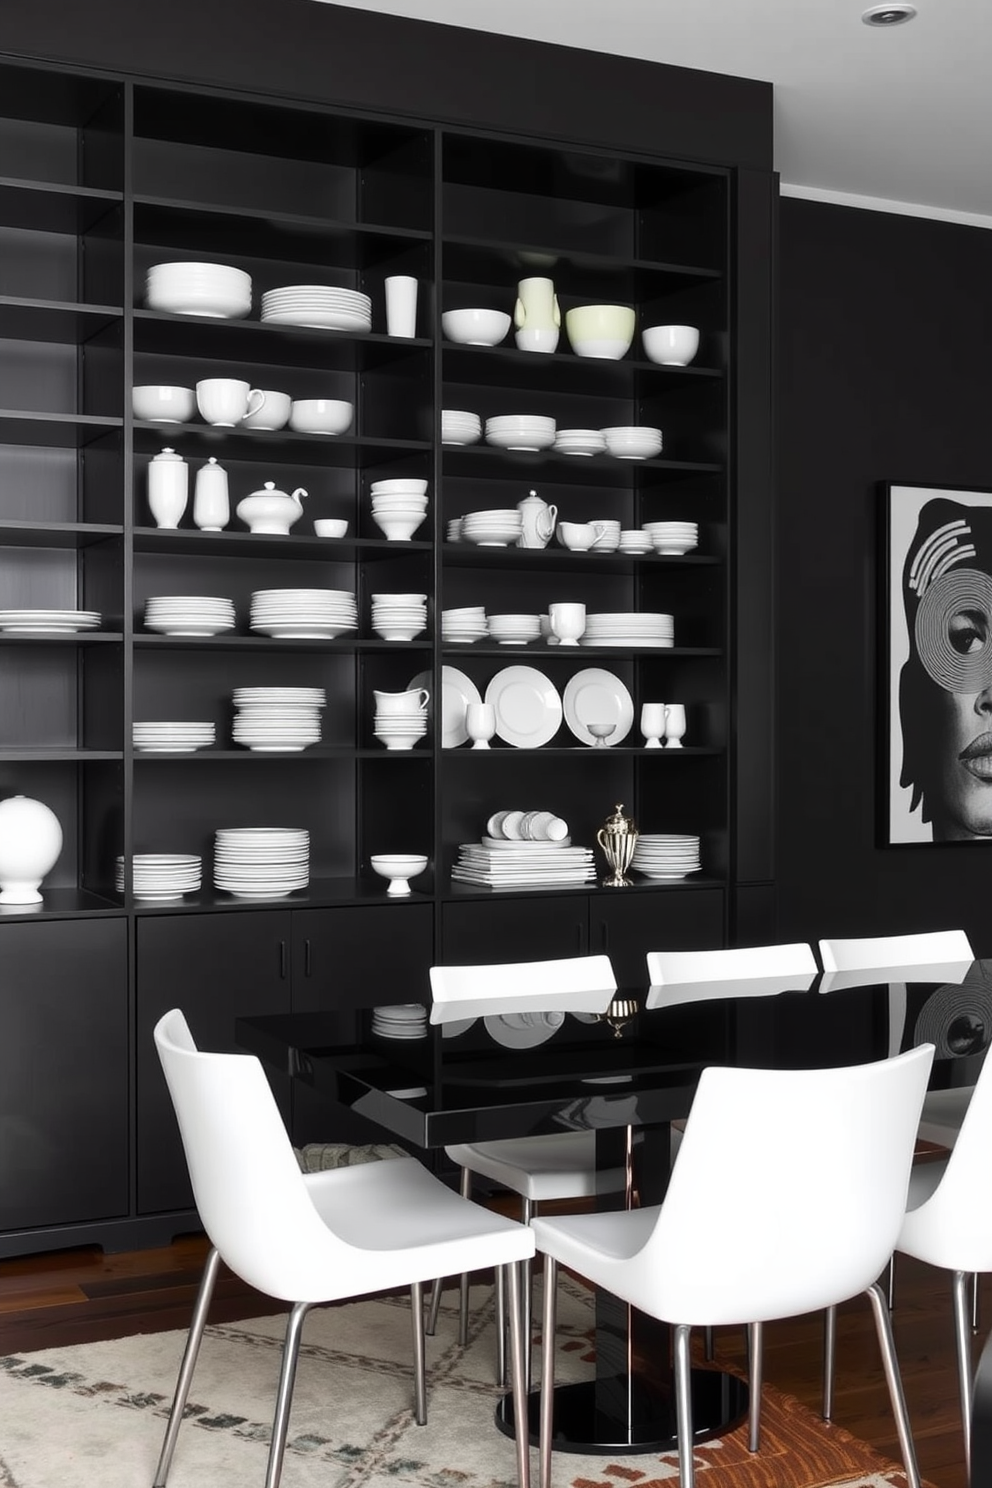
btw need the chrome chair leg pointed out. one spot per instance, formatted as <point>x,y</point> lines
<point>755,1334</point>
<point>975,1319</point>
<point>502,1365</point>
<point>829,1360</point>
<point>683,1404</point>
<point>962,1340</point>
<point>419,1353</point>
<point>890,1273</point>
<point>527,1211</point>
<point>883,1327</point>
<point>519,1341</point>
<point>284,1395</point>
<point>548,1324</point>
<point>193,1338</point>
<point>430,1327</point>
<point>465,1189</point>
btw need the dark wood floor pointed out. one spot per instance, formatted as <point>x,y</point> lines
<point>83,1295</point>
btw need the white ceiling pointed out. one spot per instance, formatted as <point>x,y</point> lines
<point>902,113</point>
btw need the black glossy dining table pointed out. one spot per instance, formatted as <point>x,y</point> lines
<point>626,1077</point>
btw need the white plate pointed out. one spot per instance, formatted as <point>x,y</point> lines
<point>457,691</point>
<point>509,1037</point>
<point>528,706</point>
<point>595,696</point>
<point>317,320</point>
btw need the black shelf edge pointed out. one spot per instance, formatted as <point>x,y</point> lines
<point>65,638</point>
<point>455,891</point>
<point>54,320</point>
<point>281,221</point>
<point>57,430</point>
<point>41,755</point>
<point>340,646</point>
<point>241,544</point>
<point>581,465</point>
<point>472,555</point>
<point>56,534</point>
<point>580,259</point>
<point>573,653</point>
<point>63,904</point>
<point>159,331</point>
<point>284,444</point>
<point>229,752</point>
<point>320,893</point>
<point>482,360</point>
<point>571,750</point>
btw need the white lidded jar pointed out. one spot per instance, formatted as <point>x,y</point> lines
<point>211,503</point>
<point>30,843</point>
<point>168,488</point>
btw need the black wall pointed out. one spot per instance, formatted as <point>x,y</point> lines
<point>885,374</point>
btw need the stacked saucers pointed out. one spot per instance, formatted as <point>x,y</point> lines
<point>635,540</point>
<point>162,876</point>
<point>465,625</point>
<point>453,531</point>
<point>673,538</point>
<point>261,862</point>
<point>459,427</point>
<point>666,854</point>
<point>47,622</point>
<point>189,614</point>
<point>399,617</point>
<point>498,528</point>
<point>215,291</point>
<point>515,630</point>
<point>162,737</point>
<point>521,431</point>
<point>633,441</point>
<point>319,306</point>
<point>277,720</point>
<point>580,442</point>
<point>629,629</point>
<point>406,1020</point>
<point>303,614</point>
<point>399,506</point>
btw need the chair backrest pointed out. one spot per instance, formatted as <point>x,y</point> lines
<point>959,1212</point>
<point>727,965</point>
<point>249,1191</point>
<point>787,1194</point>
<point>584,984</point>
<point>872,951</point>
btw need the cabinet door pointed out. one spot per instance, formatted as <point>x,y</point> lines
<point>63,1072</point>
<point>627,925</point>
<point>496,931</point>
<point>216,968</point>
<point>345,960</point>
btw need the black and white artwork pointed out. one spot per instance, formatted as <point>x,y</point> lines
<point>938,638</point>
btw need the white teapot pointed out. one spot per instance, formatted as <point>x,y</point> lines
<point>538,521</point>
<point>272,511</point>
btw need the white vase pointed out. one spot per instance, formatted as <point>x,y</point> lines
<point>168,488</point>
<point>211,503</point>
<point>536,315</point>
<point>30,843</point>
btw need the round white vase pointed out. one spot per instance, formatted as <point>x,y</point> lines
<point>30,843</point>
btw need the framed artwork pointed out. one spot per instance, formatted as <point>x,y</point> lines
<point>937,664</point>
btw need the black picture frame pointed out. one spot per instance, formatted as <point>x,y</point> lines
<point>936,647</point>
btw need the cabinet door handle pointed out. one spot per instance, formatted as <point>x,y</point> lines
<point>579,937</point>
<point>306,957</point>
<point>283,961</point>
<point>604,935</point>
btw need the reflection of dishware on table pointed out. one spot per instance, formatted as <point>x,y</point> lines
<point>480,724</point>
<point>621,1011</point>
<point>399,868</point>
<point>567,621</point>
<point>653,724</point>
<point>601,732</point>
<point>523,1030</point>
<point>675,725</point>
<point>617,839</point>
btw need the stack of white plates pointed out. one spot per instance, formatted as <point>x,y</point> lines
<point>673,538</point>
<point>453,531</point>
<point>400,730</point>
<point>465,625</point>
<point>515,630</point>
<point>580,442</point>
<point>496,864</point>
<point>405,1020</point>
<point>498,528</point>
<point>278,720</point>
<point>666,854</point>
<point>162,876</point>
<point>635,540</point>
<point>458,427</point>
<point>320,306</point>
<point>633,441</point>
<point>303,614</point>
<point>629,629</point>
<point>47,622</point>
<point>399,617</point>
<point>261,862</point>
<point>172,738</point>
<point>215,291</point>
<point>521,431</point>
<point>189,614</point>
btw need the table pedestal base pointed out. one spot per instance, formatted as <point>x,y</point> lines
<point>624,1416</point>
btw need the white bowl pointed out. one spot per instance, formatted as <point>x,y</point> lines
<point>608,349</point>
<point>395,528</point>
<point>330,527</point>
<point>321,415</point>
<point>600,330</point>
<point>475,327</point>
<point>404,483</point>
<point>537,338</point>
<point>211,304</point>
<point>163,405</point>
<point>670,345</point>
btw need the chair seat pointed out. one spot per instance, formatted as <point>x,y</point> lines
<point>923,1181</point>
<point>596,1243</point>
<point>943,1113</point>
<point>541,1168</point>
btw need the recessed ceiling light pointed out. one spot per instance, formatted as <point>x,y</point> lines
<point>888,15</point>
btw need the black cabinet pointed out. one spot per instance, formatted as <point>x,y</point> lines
<point>63,1073</point>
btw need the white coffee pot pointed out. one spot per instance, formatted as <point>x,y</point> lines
<point>272,511</point>
<point>538,521</point>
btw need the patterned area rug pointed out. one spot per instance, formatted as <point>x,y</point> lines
<point>93,1415</point>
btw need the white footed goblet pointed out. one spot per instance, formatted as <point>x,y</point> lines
<point>480,724</point>
<point>674,725</point>
<point>568,622</point>
<point>399,868</point>
<point>601,732</point>
<point>653,724</point>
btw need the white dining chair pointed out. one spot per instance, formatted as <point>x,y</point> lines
<point>871,952</point>
<point>539,1169</point>
<point>817,1208</point>
<point>321,1237</point>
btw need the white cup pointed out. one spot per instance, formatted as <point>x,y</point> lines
<point>608,538</point>
<point>330,526</point>
<point>480,723</point>
<point>568,621</point>
<point>225,401</point>
<point>402,703</point>
<point>401,305</point>
<point>653,723</point>
<point>675,725</point>
<point>271,413</point>
<point>578,536</point>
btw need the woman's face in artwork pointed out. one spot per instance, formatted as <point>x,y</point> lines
<point>960,799</point>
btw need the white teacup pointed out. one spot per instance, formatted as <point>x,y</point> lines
<point>402,703</point>
<point>273,413</point>
<point>608,539</point>
<point>579,536</point>
<point>226,401</point>
<point>330,526</point>
<point>568,622</point>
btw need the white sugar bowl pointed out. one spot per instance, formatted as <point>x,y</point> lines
<point>271,511</point>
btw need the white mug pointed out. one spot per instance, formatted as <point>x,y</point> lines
<point>401,305</point>
<point>225,401</point>
<point>653,717</point>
